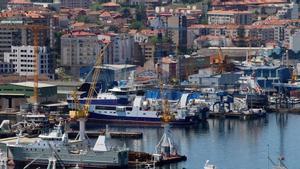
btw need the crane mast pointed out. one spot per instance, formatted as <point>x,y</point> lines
<point>79,113</point>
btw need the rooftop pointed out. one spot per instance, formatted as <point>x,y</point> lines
<point>79,33</point>
<point>116,67</point>
<point>31,84</point>
<point>228,12</point>
<point>247,2</point>
<point>110,4</point>
<point>20,2</point>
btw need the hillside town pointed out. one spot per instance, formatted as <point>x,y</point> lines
<point>141,62</point>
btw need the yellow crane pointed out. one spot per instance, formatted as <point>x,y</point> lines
<point>35,28</point>
<point>166,113</point>
<point>81,113</point>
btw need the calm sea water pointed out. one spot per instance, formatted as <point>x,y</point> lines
<point>229,144</point>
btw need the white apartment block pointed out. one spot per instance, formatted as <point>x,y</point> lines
<point>230,17</point>
<point>22,58</point>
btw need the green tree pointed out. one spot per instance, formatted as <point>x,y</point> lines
<point>82,18</point>
<point>96,6</point>
<point>136,25</point>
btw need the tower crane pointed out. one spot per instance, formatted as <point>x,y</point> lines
<point>35,28</point>
<point>81,113</point>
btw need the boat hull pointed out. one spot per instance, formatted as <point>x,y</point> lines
<point>95,117</point>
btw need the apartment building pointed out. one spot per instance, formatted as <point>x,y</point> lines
<point>76,3</point>
<point>23,60</point>
<point>79,49</point>
<point>6,68</point>
<point>230,17</point>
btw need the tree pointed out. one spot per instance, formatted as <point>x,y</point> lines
<point>136,25</point>
<point>82,18</point>
<point>95,6</point>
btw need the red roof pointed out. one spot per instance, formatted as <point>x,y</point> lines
<point>80,33</point>
<point>247,2</point>
<point>110,4</point>
<point>20,2</point>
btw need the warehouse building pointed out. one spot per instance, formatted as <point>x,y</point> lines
<point>13,95</point>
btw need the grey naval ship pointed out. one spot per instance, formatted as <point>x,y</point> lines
<point>56,145</point>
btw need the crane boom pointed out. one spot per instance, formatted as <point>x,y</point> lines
<point>83,112</point>
<point>95,77</point>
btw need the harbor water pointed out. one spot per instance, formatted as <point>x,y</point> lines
<point>231,144</point>
<point>228,144</point>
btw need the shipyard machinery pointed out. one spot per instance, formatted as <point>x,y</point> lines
<point>166,147</point>
<point>81,113</point>
<point>218,62</point>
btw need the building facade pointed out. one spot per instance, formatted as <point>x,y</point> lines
<point>23,60</point>
<point>6,68</point>
<point>78,49</point>
<point>230,17</point>
<point>76,3</point>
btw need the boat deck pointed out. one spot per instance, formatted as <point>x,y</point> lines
<point>22,140</point>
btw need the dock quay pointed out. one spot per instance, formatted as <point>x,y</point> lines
<point>113,134</point>
<point>143,159</point>
<point>233,115</point>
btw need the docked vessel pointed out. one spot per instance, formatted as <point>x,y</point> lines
<point>122,106</point>
<point>66,152</point>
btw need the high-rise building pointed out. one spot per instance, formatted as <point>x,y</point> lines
<point>23,60</point>
<point>78,49</point>
<point>177,26</point>
<point>17,35</point>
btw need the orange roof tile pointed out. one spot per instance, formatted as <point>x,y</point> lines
<point>20,2</point>
<point>105,14</point>
<point>110,4</point>
<point>79,33</point>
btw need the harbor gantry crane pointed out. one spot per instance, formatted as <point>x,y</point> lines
<point>36,29</point>
<point>81,113</point>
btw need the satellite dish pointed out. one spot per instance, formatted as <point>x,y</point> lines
<point>194,7</point>
<point>157,9</point>
<point>162,9</point>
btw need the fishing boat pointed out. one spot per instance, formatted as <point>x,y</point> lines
<point>124,106</point>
